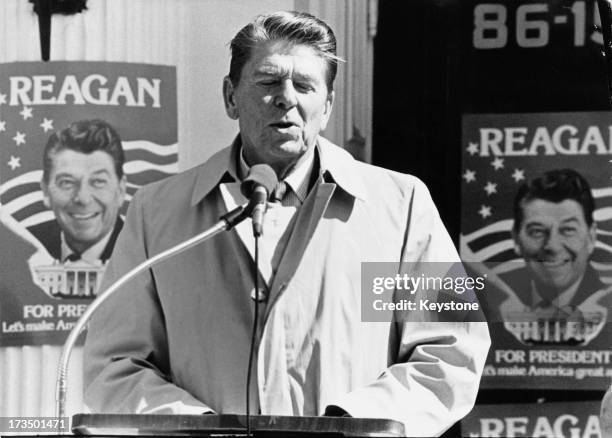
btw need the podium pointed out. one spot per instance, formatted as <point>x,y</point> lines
<point>233,426</point>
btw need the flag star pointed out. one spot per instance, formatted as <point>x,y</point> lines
<point>14,162</point>
<point>490,188</point>
<point>2,126</point>
<point>469,176</point>
<point>498,163</point>
<point>47,125</point>
<point>2,98</point>
<point>485,211</point>
<point>19,138</point>
<point>518,175</point>
<point>472,148</point>
<point>26,113</point>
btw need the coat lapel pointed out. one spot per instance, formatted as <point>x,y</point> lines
<point>309,217</point>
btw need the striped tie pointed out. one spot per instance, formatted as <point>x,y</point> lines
<point>73,257</point>
<point>279,191</point>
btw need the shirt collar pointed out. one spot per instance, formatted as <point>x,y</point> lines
<point>91,254</point>
<point>565,298</point>
<point>298,179</point>
<point>335,162</point>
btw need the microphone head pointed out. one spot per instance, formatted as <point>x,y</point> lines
<point>259,175</point>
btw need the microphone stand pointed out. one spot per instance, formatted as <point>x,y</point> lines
<point>227,222</point>
<point>253,338</point>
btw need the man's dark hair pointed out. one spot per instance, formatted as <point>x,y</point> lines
<point>555,186</point>
<point>85,136</point>
<point>291,26</point>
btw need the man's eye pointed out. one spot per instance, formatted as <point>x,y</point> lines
<point>302,86</point>
<point>65,184</point>
<point>569,231</point>
<point>536,233</point>
<point>268,82</point>
<point>99,183</point>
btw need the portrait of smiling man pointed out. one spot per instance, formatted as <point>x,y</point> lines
<point>555,233</point>
<point>83,183</point>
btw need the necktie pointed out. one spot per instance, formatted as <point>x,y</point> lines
<point>279,191</point>
<point>73,257</point>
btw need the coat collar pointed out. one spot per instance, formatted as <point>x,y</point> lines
<point>335,163</point>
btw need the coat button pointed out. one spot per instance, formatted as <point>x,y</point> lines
<point>260,297</point>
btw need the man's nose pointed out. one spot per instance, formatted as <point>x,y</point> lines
<point>287,96</point>
<point>82,194</point>
<point>554,242</point>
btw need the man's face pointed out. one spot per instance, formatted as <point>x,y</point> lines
<point>281,103</point>
<point>555,241</point>
<point>85,194</point>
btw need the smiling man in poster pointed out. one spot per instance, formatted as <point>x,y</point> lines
<point>73,134</point>
<point>562,299</point>
<point>84,184</point>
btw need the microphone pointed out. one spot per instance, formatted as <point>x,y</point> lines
<point>257,186</point>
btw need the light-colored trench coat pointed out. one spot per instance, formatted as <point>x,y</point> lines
<point>177,339</point>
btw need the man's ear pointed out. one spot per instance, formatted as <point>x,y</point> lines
<point>122,189</point>
<point>229,97</point>
<point>45,191</point>
<point>592,237</point>
<point>329,104</point>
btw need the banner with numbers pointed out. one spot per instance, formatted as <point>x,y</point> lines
<point>77,139</point>
<point>531,56</point>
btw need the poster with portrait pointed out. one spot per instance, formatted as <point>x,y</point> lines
<point>546,420</point>
<point>537,220</point>
<point>77,139</point>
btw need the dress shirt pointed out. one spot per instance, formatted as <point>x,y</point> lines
<point>279,219</point>
<point>92,255</point>
<point>562,300</point>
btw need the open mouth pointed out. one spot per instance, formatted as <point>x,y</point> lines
<point>283,125</point>
<point>554,263</point>
<point>83,216</point>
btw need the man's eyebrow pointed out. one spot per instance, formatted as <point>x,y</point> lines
<point>64,175</point>
<point>534,223</point>
<point>266,72</point>
<point>67,174</point>
<point>570,219</point>
<point>100,171</point>
<point>564,221</point>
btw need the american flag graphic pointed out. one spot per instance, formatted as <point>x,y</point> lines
<point>501,152</point>
<point>148,133</point>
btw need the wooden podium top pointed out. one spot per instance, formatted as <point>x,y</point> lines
<point>233,425</point>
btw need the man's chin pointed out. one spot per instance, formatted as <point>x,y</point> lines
<point>83,239</point>
<point>290,149</point>
<point>559,283</point>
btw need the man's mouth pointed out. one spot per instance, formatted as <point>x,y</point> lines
<point>551,264</point>
<point>83,216</point>
<point>283,125</point>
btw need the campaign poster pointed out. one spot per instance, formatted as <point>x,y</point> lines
<point>545,420</point>
<point>537,221</point>
<point>77,139</point>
